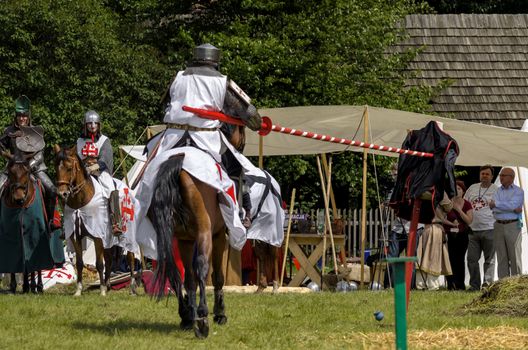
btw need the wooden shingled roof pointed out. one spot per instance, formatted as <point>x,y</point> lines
<point>486,56</point>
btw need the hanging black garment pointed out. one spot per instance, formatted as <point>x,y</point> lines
<point>419,175</point>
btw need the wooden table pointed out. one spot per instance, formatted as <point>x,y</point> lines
<point>308,268</point>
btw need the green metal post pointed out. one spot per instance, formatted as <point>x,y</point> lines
<point>400,299</point>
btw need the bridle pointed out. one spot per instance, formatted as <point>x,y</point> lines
<point>15,186</point>
<point>74,189</point>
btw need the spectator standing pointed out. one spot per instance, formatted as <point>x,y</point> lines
<point>432,254</point>
<point>507,208</point>
<point>457,228</point>
<point>481,235</point>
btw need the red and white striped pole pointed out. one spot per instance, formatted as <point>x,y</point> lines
<point>267,126</point>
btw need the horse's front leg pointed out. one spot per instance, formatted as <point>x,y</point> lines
<point>79,264</point>
<point>219,242</point>
<point>132,265</point>
<point>13,283</point>
<point>275,256</point>
<point>260,251</point>
<point>99,264</point>
<point>25,283</point>
<point>108,264</point>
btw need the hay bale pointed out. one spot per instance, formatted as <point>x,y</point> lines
<point>508,296</point>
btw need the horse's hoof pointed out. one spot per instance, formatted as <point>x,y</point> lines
<point>260,290</point>
<point>77,294</point>
<point>201,328</point>
<point>222,319</point>
<point>186,325</point>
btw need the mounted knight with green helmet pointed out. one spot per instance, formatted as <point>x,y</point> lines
<point>28,139</point>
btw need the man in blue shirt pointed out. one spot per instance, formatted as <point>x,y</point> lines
<point>507,208</point>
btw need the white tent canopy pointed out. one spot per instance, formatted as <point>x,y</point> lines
<point>479,144</point>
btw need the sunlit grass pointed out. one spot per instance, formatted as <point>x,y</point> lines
<point>284,321</point>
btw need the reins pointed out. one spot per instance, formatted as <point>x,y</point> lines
<point>74,189</point>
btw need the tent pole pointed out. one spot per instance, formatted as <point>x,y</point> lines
<point>326,191</point>
<point>332,197</point>
<point>342,255</point>
<point>124,169</point>
<point>524,203</point>
<point>292,203</point>
<point>323,258</point>
<point>364,198</point>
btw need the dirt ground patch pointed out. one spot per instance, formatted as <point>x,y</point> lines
<point>452,338</point>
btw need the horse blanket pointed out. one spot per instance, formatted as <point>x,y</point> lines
<point>204,168</point>
<point>267,214</point>
<point>95,216</point>
<point>24,239</point>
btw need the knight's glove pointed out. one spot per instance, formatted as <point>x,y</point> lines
<point>92,168</point>
<point>254,122</point>
<point>33,165</point>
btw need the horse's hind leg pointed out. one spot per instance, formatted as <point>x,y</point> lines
<point>201,267</point>
<point>187,303</point>
<point>219,241</point>
<point>132,265</point>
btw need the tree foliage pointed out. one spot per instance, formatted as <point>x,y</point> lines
<point>67,57</point>
<point>478,6</point>
<point>117,57</point>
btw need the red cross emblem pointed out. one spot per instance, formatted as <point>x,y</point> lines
<point>127,210</point>
<point>57,273</point>
<point>90,149</point>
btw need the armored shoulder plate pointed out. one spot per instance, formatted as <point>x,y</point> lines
<point>32,139</point>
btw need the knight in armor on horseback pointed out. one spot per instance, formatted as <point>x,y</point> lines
<point>22,136</point>
<point>95,150</point>
<point>201,85</point>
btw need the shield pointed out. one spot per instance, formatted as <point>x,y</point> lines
<point>32,139</point>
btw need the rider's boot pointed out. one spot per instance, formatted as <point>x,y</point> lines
<point>246,204</point>
<point>115,213</point>
<point>50,210</point>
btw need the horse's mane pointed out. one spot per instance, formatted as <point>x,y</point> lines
<point>62,156</point>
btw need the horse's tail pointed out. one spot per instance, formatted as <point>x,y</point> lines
<point>167,208</point>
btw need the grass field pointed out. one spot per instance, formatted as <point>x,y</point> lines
<point>57,320</point>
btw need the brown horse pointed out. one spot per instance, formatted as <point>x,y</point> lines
<point>267,255</point>
<point>20,193</point>
<point>188,209</point>
<point>77,190</point>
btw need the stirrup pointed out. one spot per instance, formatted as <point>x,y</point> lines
<point>246,222</point>
<point>116,230</point>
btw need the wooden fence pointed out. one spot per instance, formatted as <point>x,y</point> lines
<point>378,227</point>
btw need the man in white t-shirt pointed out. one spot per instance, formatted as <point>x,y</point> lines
<point>481,239</point>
